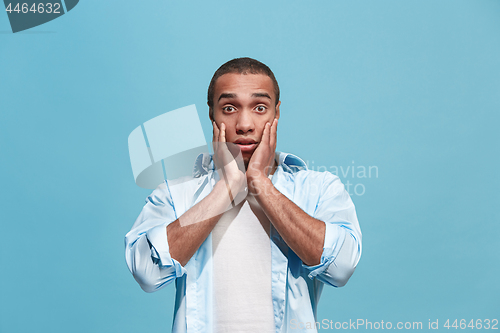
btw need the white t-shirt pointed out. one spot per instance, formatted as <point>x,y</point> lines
<point>242,270</point>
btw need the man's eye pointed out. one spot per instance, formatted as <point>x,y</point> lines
<point>261,108</point>
<point>228,108</point>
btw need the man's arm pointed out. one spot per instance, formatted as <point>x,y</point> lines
<point>328,244</point>
<point>146,248</point>
<point>186,234</point>
<point>318,242</point>
<point>158,246</point>
<point>304,234</point>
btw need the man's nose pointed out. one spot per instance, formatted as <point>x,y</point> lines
<point>244,123</point>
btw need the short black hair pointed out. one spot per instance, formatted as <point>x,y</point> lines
<point>241,66</point>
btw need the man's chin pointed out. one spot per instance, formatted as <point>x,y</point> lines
<point>246,158</point>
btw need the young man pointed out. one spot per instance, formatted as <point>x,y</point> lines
<point>259,266</point>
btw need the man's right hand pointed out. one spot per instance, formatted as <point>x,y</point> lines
<point>225,155</point>
<point>186,234</point>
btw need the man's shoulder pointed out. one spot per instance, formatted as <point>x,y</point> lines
<point>316,179</point>
<point>177,187</point>
<point>296,165</point>
<point>292,165</point>
<point>290,162</point>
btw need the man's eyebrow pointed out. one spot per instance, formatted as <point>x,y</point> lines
<point>231,95</point>
<point>261,95</point>
<point>226,95</point>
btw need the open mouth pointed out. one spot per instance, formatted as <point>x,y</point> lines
<point>246,146</point>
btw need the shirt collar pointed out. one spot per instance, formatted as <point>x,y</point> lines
<point>289,162</point>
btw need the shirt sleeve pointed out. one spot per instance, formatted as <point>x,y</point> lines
<point>146,246</point>
<point>342,244</point>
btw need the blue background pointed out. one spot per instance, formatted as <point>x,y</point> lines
<point>411,87</point>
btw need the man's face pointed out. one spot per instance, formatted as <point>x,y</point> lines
<point>245,103</point>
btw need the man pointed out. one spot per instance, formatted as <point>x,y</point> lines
<point>259,266</point>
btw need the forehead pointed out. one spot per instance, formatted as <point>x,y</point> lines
<point>243,84</point>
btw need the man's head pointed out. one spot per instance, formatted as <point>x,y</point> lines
<point>241,66</point>
<point>244,95</point>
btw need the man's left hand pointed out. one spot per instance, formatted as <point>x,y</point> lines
<point>262,161</point>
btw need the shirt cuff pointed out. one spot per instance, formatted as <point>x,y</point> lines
<point>157,237</point>
<point>334,238</point>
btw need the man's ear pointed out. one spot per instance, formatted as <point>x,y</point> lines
<point>277,115</point>
<point>210,112</point>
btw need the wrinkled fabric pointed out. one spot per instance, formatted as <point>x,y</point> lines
<point>296,287</point>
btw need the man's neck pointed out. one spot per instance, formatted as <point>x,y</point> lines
<point>275,166</point>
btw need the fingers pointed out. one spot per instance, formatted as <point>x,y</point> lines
<point>215,132</point>
<point>219,134</point>
<point>273,136</point>
<point>265,135</point>
<point>222,136</point>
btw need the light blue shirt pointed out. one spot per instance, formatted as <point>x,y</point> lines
<point>296,287</point>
